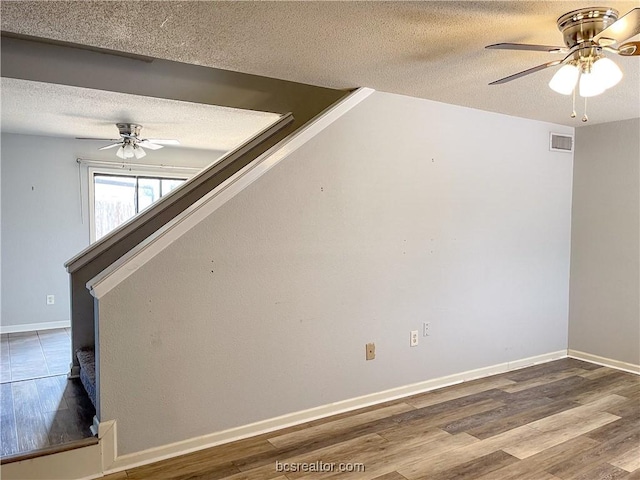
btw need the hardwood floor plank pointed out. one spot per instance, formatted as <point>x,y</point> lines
<point>633,476</point>
<point>266,472</point>
<point>204,460</point>
<point>604,452</point>
<point>457,391</point>
<point>8,434</point>
<point>64,426</point>
<point>461,449</point>
<point>555,389</point>
<point>605,385</point>
<point>601,472</point>
<point>550,438</point>
<point>6,399</point>
<point>545,379</point>
<point>628,409</point>
<point>581,413</point>
<point>389,456</point>
<point>403,431</point>
<point>338,425</point>
<point>50,394</point>
<point>478,420</point>
<point>391,476</point>
<point>535,466</point>
<point>473,469</point>
<point>359,450</point>
<point>548,368</point>
<point>171,471</point>
<point>625,426</point>
<point>116,476</point>
<point>629,460</point>
<point>497,426</point>
<point>30,427</point>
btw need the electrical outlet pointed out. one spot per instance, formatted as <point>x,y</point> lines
<point>371,351</point>
<point>414,338</point>
<point>51,299</point>
<point>426,329</point>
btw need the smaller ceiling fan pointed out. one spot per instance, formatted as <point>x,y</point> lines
<point>130,144</point>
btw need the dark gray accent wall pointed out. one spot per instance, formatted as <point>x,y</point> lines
<point>604,301</point>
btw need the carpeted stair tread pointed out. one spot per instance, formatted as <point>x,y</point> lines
<point>87,359</point>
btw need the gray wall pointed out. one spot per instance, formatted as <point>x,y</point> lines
<point>42,226</point>
<point>605,291</point>
<point>403,210</point>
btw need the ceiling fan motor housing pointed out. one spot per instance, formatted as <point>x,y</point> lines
<point>580,26</point>
<point>129,129</point>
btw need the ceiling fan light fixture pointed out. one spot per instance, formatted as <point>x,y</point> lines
<point>120,152</point>
<point>139,152</point>
<point>590,85</point>
<point>565,79</point>
<point>607,72</point>
<point>128,151</point>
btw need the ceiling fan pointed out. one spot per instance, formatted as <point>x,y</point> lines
<point>130,144</point>
<point>588,33</point>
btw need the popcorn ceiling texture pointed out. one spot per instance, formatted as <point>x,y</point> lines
<point>432,50</point>
<point>48,109</point>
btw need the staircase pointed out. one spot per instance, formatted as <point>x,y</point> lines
<point>87,362</point>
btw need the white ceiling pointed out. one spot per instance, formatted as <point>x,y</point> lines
<point>36,108</point>
<point>432,50</point>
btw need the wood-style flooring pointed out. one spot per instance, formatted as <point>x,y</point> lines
<point>39,407</point>
<point>561,420</point>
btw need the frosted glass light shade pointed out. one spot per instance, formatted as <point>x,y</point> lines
<point>139,152</point>
<point>565,79</point>
<point>606,72</point>
<point>590,86</point>
<point>120,152</point>
<point>128,151</point>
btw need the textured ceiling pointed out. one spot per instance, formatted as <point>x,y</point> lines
<point>62,111</point>
<point>432,50</point>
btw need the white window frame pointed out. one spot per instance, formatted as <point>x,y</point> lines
<point>128,172</point>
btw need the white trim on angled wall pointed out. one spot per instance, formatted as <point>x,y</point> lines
<point>606,362</point>
<point>32,327</point>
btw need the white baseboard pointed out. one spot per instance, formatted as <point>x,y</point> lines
<point>606,362</point>
<point>32,327</point>
<point>163,452</point>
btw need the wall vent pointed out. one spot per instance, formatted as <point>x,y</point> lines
<point>559,142</point>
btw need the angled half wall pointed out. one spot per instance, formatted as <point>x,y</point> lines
<point>397,212</point>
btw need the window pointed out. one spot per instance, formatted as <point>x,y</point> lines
<point>117,198</point>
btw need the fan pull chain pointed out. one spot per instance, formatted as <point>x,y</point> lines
<point>573,110</point>
<point>584,117</point>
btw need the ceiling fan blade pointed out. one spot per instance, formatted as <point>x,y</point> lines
<point>149,145</point>
<point>110,146</point>
<point>523,46</point>
<point>629,49</point>
<point>162,141</point>
<point>100,139</point>
<point>622,29</point>
<point>527,72</point>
